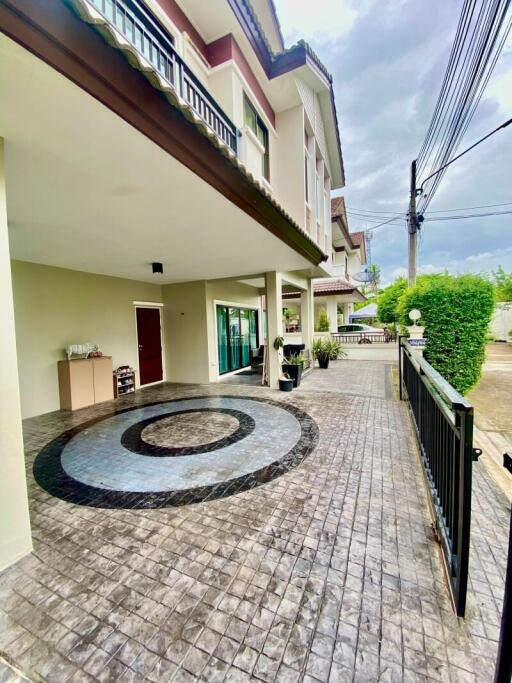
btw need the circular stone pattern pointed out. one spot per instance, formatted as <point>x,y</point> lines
<point>197,430</point>
<point>189,429</point>
<point>231,444</point>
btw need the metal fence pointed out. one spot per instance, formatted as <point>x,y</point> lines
<point>364,338</point>
<point>135,23</point>
<point>504,663</point>
<point>443,421</point>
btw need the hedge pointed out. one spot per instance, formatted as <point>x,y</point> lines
<point>389,299</point>
<point>456,312</point>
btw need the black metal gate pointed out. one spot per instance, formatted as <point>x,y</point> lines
<point>443,421</point>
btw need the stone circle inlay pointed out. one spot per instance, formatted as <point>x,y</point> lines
<point>103,462</point>
<point>189,429</point>
<point>134,441</point>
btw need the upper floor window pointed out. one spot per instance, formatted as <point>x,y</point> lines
<point>254,123</point>
<point>306,176</point>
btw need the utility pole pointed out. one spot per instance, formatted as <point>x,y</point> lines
<point>412,228</point>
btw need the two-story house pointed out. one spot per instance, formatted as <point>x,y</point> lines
<point>165,168</point>
<point>334,296</point>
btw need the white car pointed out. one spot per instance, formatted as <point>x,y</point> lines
<point>363,334</point>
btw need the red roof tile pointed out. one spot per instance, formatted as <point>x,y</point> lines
<point>326,286</point>
<point>338,207</point>
<point>332,285</point>
<point>357,238</point>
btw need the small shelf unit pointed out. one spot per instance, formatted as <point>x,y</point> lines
<point>124,381</point>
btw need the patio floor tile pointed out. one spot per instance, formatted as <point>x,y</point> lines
<point>327,571</point>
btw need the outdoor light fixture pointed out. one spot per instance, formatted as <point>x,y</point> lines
<point>157,267</point>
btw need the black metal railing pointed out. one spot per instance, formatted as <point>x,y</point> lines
<point>443,420</point>
<point>364,337</point>
<point>136,24</point>
<point>504,662</point>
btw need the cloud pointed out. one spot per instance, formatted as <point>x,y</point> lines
<point>388,59</point>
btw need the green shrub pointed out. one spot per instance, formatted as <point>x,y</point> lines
<point>323,324</point>
<point>387,308</point>
<point>455,312</point>
<point>329,348</point>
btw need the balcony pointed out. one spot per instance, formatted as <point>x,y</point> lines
<point>136,25</point>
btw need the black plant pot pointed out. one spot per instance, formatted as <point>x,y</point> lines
<point>285,384</point>
<point>323,362</point>
<point>294,372</point>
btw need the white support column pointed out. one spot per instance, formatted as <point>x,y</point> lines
<point>15,537</point>
<point>332,313</point>
<point>274,288</point>
<point>348,309</point>
<point>307,316</point>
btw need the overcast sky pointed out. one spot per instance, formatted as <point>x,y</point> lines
<point>388,58</point>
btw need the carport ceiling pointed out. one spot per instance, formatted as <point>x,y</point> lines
<point>87,191</point>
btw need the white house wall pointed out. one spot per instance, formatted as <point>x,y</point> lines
<point>289,158</point>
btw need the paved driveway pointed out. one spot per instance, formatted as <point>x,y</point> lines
<point>492,399</point>
<point>327,571</point>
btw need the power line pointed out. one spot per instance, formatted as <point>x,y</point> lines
<point>481,33</point>
<point>440,170</point>
<point>473,215</point>
<point>353,211</point>
<point>437,219</point>
<point>479,57</point>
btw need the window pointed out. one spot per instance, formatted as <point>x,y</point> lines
<point>306,176</point>
<point>254,122</point>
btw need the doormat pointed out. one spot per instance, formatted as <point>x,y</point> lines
<point>246,373</point>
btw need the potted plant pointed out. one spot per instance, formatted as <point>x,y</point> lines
<point>325,350</point>
<point>293,365</point>
<point>285,383</point>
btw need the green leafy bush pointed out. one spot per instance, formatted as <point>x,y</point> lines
<point>455,312</point>
<point>329,348</point>
<point>323,324</point>
<point>387,308</point>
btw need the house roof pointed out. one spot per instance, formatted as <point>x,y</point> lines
<point>339,212</point>
<point>338,208</point>
<point>332,285</point>
<point>277,63</point>
<point>357,238</point>
<point>327,286</point>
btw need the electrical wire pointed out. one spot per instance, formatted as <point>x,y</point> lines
<point>481,34</point>
<point>354,211</point>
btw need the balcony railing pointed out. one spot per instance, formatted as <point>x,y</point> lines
<point>136,25</point>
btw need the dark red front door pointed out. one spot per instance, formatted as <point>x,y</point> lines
<point>150,345</point>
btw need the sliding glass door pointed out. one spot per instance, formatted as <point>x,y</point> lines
<point>237,335</point>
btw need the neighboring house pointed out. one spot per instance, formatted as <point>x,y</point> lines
<point>335,295</point>
<point>348,248</point>
<point>134,133</point>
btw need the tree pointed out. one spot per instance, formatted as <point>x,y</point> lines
<point>503,284</point>
<point>455,312</point>
<point>387,309</point>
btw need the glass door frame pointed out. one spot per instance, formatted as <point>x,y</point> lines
<point>227,306</point>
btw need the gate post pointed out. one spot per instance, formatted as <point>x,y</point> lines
<point>504,662</point>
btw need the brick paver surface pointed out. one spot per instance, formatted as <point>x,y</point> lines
<point>328,573</point>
